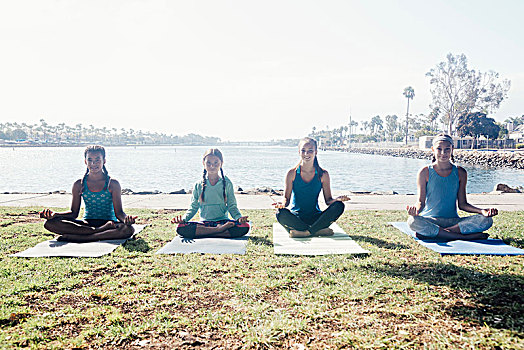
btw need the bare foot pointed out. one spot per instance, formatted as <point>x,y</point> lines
<point>107,226</point>
<point>225,227</point>
<point>299,234</point>
<point>325,232</point>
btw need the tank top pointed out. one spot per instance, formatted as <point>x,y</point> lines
<point>98,205</point>
<point>441,194</point>
<point>304,196</point>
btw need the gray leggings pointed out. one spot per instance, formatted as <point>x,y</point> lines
<point>429,227</point>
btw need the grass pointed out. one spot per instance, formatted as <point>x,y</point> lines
<point>399,296</point>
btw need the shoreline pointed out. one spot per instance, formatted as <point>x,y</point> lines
<point>358,201</point>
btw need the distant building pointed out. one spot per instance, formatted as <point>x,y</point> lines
<point>425,142</point>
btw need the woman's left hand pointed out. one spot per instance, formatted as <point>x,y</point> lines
<point>489,212</point>
<point>343,198</point>
<point>242,219</point>
<point>129,220</point>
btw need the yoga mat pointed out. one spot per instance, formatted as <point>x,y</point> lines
<point>479,247</point>
<point>180,245</point>
<point>339,243</point>
<point>70,249</point>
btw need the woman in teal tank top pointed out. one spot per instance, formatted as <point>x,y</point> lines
<point>441,186</point>
<point>104,217</point>
<point>303,185</point>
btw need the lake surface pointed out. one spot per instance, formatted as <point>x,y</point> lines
<point>171,168</point>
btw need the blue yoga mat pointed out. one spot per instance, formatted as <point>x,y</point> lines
<point>480,247</point>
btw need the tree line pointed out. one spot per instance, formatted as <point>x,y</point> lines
<point>45,133</point>
<point>462,99</point>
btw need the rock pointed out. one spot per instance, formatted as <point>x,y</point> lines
<point>239,189</point>
<point>148,192</point>
<point>505,189</point>
<point>182,191</point>
<point>127,191</point>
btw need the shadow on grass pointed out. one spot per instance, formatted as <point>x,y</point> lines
<point>496,299</point>
<point>379,242</point>
<point>261,240</point>
<point>516,242</point>
<point>137,245</point>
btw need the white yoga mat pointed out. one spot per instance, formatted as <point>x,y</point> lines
<point>339,243</point>
<point>181,245</point>
<point>70,249</point>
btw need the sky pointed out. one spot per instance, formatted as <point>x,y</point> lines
<point>243,70</point>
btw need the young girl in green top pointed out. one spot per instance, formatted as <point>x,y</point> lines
<point>104,217</point>
<point>214,197</point>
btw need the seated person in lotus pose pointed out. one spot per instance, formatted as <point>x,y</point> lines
<point>214,197</point>
<point>104,217</point>
<point>303,185</point>
<point>440,186</point>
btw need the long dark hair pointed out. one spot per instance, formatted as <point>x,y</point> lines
<point>95,149</point>
<point>448,137</point>
<point>309,140</point>
<point>213,152</point>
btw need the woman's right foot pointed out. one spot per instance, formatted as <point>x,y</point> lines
<point>107,226</point>
<point>299,234</point>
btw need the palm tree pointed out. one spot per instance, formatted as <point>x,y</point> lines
<point>409,93</point>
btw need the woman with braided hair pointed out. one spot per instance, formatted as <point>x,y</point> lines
<point>214,197</point>
<point>104,217</point>
<point>441,186</point>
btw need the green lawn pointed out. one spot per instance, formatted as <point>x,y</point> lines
<point>399,296</point>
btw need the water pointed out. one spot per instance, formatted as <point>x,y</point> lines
<point>170,168</point>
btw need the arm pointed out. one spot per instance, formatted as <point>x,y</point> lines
<point>116,193</point>
<point>326,189</point>
<point>422,180</point>
<point>232,203</point>
<point>290,177</point>
<point>75,205</point>
<point>462,200</point>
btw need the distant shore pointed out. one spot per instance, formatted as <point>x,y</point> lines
<point>489,158</point>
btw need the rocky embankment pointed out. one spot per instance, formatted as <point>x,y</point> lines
<point>501,158</point>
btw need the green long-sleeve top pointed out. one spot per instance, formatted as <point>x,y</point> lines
<point>214,208</point>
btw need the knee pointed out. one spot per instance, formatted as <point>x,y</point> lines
<point>338,206</point>
<point>487,222</point>
<point>282,211</point>
<point>412,222</point>
<point>50,225</point>
<point>127,231</point>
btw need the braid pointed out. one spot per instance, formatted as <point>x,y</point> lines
<point>107,175</point>
<point>203,185</point>
<point>223,185</point>
<point>84,180</point>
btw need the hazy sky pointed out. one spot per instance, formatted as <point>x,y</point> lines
<point>243,70</point>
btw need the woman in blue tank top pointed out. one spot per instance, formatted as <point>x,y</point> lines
<point>104,217</point>
<point>303,185</point>
<point>440,186</point>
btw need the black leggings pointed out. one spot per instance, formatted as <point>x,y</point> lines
<point>314,223</point>
<point>188,229</point>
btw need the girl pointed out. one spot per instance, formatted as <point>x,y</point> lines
<point>104,217</point>
<point>214,197</point>
<point>440,185</point>
<point>303,185</point>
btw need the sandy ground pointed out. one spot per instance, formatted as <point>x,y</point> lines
<point>504,201</point>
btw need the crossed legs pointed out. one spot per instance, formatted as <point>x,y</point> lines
<point>317,225</point>
<point>80,231</point>
<point>466,228</point>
